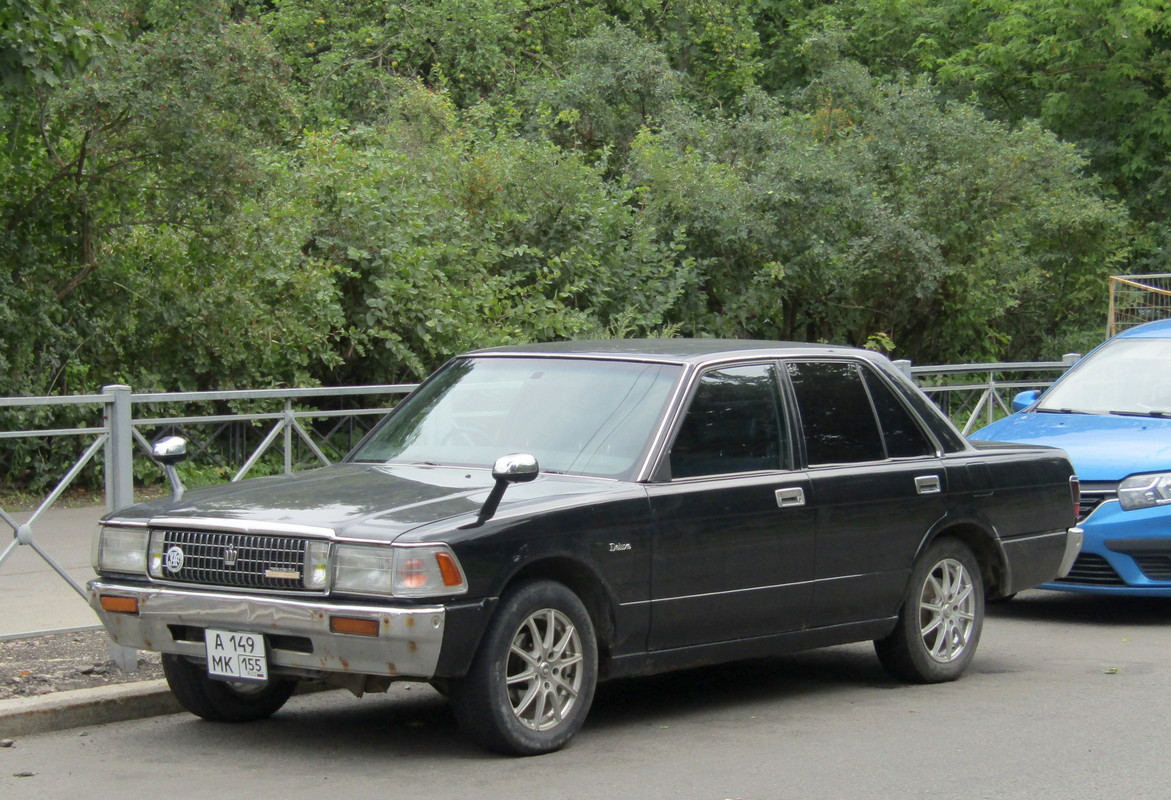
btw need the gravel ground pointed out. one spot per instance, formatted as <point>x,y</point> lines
<point>66,661</point>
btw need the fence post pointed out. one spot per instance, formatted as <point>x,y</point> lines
<point>119,448</point>
<point>289,422</point>
<point>904,366</point>
<point>1069,359</point>
<point>120,481</point>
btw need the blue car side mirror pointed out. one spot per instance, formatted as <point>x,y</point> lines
<point>1025,399</point>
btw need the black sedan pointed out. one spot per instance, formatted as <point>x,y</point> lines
<point>533,519</point>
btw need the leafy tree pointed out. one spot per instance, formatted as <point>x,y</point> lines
<point>445,236</point>
<point>714,42</point>
<point>45,42</point>
<point>871,209</point>
<point>350,56</point>
<point>159,135</point>
<point>614,85</point>
<point>1095,72</point>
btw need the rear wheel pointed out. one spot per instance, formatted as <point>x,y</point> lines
<point>941,619</point>
<point>532,681</point>
<point>220,701</point>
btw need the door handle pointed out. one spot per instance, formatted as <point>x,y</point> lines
<point>928,484</point>
<point>791,497</point>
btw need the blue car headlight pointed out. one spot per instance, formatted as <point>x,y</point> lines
<point>1145,491</point>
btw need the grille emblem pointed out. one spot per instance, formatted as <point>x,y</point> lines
<point>173,559</point>
<point>230,556</point>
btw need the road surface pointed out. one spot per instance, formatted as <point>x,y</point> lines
<point>1068,698</point>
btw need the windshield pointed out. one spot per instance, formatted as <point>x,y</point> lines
<point>582,416</point>
<point>1125,376</point>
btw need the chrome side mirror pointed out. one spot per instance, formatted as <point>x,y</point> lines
<point>515,468</point>
<point>169,451</point>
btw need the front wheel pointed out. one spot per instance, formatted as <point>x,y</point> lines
<point>941,618</point>
<point>220,701</point>
<point>532,681</point>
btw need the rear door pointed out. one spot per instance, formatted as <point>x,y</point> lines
<point>877,484</point>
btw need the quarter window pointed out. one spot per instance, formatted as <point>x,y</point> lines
<point>733,424</point>
<point>904,438</point>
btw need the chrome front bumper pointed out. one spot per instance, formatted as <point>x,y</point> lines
<point>298,632</point>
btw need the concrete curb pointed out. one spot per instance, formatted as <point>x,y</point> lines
<point>23,716</point>
<point>78,708</point>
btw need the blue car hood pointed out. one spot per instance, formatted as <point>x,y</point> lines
<point>1101,447</point>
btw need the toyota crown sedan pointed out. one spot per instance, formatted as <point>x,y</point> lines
<point>532,520</point>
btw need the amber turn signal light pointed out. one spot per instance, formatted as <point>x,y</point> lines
<point>449,569</point>
<point>354,626</point>
<point>120,605</point>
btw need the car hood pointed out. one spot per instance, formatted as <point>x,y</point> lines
<point>1101,447</point>
<point>362,501</point>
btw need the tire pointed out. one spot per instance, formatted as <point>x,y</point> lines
<point>220,701</point>
<point>941,619</point>
<point>532,681</point>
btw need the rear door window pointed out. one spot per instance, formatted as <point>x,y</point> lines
<point>837,417</point>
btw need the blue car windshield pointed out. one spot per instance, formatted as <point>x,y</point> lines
<point>1124,376</point>
<point>580,416</point>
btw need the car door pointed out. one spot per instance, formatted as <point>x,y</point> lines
<point>877,487</point>
<point>733,553</point>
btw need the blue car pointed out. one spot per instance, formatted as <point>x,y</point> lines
<point>1112,414</point>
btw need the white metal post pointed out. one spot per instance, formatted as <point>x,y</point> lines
<point>120,481</point>
<point>119,447</point>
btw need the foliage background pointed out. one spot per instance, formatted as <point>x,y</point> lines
<point>299,192</point>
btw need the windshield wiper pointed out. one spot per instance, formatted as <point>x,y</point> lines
<point>1043,410</point>
<point>1152,413</point>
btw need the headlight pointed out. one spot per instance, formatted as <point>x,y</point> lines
<point>121,550</point>
<point>425,571</point>
<point>1145,491</point>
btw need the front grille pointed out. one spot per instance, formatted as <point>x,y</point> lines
<point>1091,500</point>
<point>235,560</point>
<point>1091,568</point>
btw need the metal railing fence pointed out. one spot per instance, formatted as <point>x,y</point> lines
<point>1135,299</point>
<point>117,429</point>
<point>982,395</point>
<point>978,395</point>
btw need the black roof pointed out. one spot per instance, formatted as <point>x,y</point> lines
<point>671,350</point>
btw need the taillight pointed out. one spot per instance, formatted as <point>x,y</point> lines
<point>1075,490</point>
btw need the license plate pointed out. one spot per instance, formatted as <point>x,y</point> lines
<point>239,656</point>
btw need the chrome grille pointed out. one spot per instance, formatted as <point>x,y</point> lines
<point>236,560</point>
